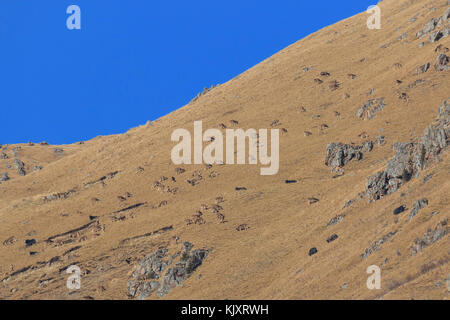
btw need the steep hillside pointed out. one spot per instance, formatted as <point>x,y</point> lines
<point>342,98</point>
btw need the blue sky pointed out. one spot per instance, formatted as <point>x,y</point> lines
<point>134,61</point>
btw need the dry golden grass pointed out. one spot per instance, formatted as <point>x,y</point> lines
<point>269,260</point>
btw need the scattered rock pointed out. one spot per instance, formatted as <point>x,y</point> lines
<point>4,177</point>
<point>368,146</point>
<point>312,200</point>
<point>182,270</point>
<point>441,63</point>
<point>435,36</point>
<point>59,195</point>
<point>399,210</point>
<point>242,227</point>
<point>424,68</point>
<point>418,205</point>
<point>374,247</point>
<point>332,238</point>
<point>339,154</point>
<point>9,241</point>
<point>410,158</point>
<point>312,251</point>
<point>429,26</point>
<point>368,110</point>
<point>336,220</point>
<point>380,140</point>
<point>30,242</point>
<point>430,237</point>
<point>179,170</point>
<point>20,166</point>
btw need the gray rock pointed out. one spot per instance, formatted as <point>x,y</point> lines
<point>147,289</point>
<point>332,238</point>
<point>339,154</point>
<point>336,220</point>
<point>435,36</point>
<point>182,270</point>
<point>431,25</point>
<point>368,146</point>
<point>419,204</point>
<point>399,210</point>
<point>368,110</point>
<point>312,251</point>
<point>410,158</point>
<point>187,246</point>
<point>441,62</point>
<point>380,140</point>
<point>20,166</point>
<point>430,237</point>
<point>424,68</point>
<point>4,177</point>
<point>375,246</point>
<point>157,273</point>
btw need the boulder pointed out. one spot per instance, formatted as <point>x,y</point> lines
<point>418,205</point>
<point>412,157</point>
<point>368,110</point>
<point>441,63</point>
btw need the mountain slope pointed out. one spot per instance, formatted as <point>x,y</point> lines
<point>113,200</point>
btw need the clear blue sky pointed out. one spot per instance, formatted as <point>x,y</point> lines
<point>134,60</point>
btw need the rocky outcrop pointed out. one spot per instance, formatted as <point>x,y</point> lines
<point>149,276</point>
<point>441,63</point>
<point>376,245</point>
<point>436,28</point>
<point>368,110</point>
<point>20,166</point>
<point>418,205</point>
<point>430,237</point>
<point>412,157</point>
<point>339,154</point>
